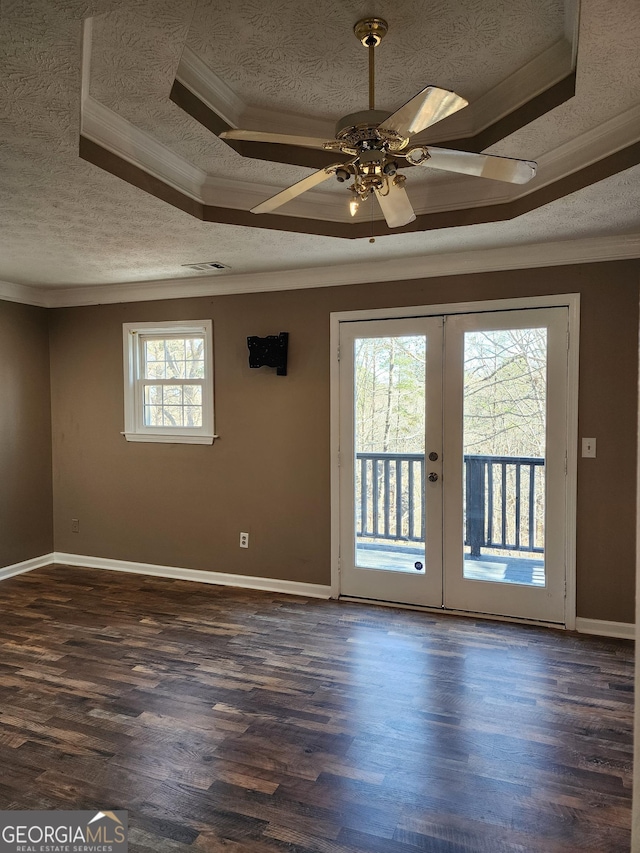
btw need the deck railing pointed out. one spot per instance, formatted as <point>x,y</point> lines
<point>504,500</point>
<point>391,491</point>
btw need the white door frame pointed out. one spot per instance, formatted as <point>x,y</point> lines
<point>426,587</point>
<point>568,300</point>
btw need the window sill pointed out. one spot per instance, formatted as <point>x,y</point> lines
<point>169,439</point>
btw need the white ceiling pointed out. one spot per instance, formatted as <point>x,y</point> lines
<point>66,224</point>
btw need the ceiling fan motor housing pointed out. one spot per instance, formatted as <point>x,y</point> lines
<point>358,128</point>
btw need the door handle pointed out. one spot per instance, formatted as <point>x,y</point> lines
<point>433,477</point>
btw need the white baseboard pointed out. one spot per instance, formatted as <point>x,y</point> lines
<point>26,566</point>
<point>600,627</point>
<point>307,590</point>
<point>623,630</point>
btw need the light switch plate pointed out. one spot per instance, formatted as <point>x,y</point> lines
<point>589,448</point>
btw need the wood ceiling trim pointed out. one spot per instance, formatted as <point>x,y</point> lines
<point>95,153</point>
<point>538,106</point>
<point>312,159</point>
<point>292,155</point>
<point>623,159</point>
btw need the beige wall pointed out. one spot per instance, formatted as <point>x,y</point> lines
<point>269,471</point>
<point>26,512</point>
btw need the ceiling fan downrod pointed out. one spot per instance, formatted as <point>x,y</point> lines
<point>370,32</point>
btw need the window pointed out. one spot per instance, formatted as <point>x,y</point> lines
<point>168,379</point>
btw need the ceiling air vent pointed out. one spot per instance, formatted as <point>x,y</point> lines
<point>207,266</point>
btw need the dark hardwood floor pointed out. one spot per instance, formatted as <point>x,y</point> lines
<point>231,720</point>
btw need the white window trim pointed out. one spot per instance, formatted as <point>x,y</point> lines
<point>134,428</point>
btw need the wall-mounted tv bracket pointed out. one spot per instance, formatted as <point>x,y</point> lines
<point>269,352</point>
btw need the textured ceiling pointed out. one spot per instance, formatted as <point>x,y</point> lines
<point>271,54</point>
<point>275,58</point>
<point>64,221</point>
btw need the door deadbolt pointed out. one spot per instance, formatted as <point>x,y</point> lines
<point>433,456</point>
<point>433,477</point>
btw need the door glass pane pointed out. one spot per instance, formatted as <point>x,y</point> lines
<point>389,453</point>
<point>504,443</point>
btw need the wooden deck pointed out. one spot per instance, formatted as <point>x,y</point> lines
<point>519,570</point>
<point>249,722</point>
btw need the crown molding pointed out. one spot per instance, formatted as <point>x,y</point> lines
<point>211,101</point>
<point>561,253</point>
<point>117,135</point>
<point>594,145</point>
<point>611,136</point>
<point>211,89</point>
<point>536,76</point>
<point>614,248</point>
<point>526,82</point>
<point>198,78</point>
<point>105,128</point>
<point>572,27</point>
<point>24,294</point>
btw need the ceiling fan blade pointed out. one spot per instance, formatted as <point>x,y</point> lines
<point>295,190</point>
<point>429,106</point>
<point>396,206</point>
<point>483,165</point>
<point>279,138</point>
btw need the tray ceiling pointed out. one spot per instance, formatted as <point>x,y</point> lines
<point>66,222</point>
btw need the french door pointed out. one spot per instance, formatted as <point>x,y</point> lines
<point>453,461</point>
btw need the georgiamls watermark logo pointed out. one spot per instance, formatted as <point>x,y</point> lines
<point>63,832</point>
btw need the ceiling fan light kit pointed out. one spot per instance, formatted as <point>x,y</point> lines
<point>375,140</point>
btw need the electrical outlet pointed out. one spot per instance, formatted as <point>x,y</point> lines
<point>244,540</point>
<point>75,525</point>
<point>589,448</point>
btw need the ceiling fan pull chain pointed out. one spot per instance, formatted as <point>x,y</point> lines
<point>372,239</point>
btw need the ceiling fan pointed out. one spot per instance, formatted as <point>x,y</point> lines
<point>375,140</point>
